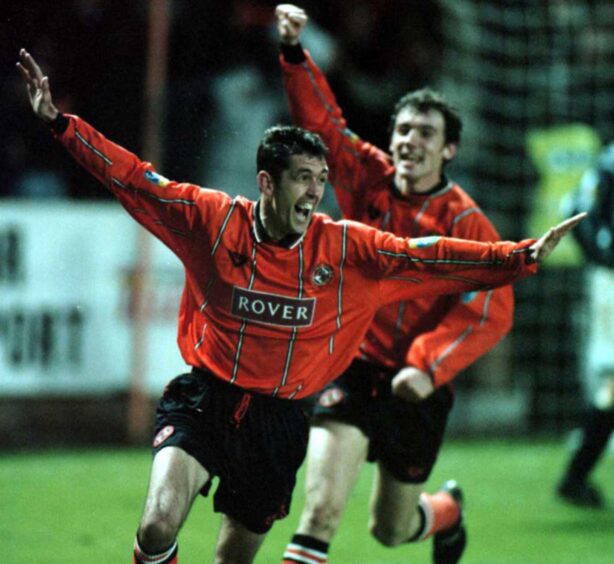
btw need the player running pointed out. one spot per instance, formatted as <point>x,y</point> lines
<point>392,404</point>
<point>276,299</point>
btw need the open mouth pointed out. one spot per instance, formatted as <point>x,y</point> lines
<point>409,159</point>
<point>303,210</point>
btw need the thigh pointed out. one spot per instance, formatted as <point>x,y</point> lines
<point>176,479</point>
<point>335,456</point>
<point>235,543</point>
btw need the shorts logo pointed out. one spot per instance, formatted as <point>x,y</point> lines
<point>272,309</point>
<point>332,396</point>
<point>162,435</point>
<point>415,471</point>
<point>322,274</point>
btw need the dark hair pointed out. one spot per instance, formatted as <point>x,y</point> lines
<point>281,142</point>
<point>427,99</point>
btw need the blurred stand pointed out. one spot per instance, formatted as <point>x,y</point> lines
<point>518,74</point>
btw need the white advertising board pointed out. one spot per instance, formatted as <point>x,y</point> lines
<point>65,300</point>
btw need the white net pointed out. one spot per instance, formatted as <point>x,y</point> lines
<point>534,81</point>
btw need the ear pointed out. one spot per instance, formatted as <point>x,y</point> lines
<point>265,182</point>
<point>449,151</point>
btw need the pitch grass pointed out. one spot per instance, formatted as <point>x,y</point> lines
<point>83,506</point>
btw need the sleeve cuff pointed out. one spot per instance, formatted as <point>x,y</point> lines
<point>59,125</point>
<point>293,54</point>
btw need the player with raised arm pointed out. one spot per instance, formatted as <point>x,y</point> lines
<point>276,299</point>
<point>393,402</point>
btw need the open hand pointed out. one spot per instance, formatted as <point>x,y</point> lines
<point>541,249</point>
<point>290,22</point>
<point>38,87</point>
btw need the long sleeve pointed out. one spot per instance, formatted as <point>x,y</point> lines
<point>429,266</point>
<point>356,166</point>
<point>168,209</point>
<point>472,326</point>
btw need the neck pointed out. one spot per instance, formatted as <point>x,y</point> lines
<point>266,215</point>
<point>407,187</point>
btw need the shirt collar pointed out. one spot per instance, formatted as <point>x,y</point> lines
<point>288,242</point>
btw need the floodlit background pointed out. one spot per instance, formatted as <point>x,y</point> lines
<point>192,86</point>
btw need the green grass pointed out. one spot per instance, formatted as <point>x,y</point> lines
<point>83,506</point>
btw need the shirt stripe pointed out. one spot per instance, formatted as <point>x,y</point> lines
<point>91,147</point>
<point>439,261</point>
<point>235,368</point>
<point>451,347</point>
<point>223,228</point>
<point>284,377</point>
<point>331,344</point>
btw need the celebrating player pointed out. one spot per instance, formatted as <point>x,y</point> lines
<point>276,300</point>
<point>393,402</point>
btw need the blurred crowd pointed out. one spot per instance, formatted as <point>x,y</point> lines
<point>224,84</point>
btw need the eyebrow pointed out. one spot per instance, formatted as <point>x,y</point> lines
<point>417,125</point>
<point>306,169</point>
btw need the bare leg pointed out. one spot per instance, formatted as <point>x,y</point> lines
<point>335,456</point>
<point>394,509</point>
<point>235,543</point>
<point>176,479</point>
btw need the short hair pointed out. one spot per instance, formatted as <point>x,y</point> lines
<point>427,99</point>
<point>281,142</point>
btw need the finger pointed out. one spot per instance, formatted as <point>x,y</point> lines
<point>24,72</point>
<point>285,8</point>
<point>570,223</point>
<point>298,18</point>
<point>46,89</point>
<point>33,67</point>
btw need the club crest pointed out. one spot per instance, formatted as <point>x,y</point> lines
<point>162,435</point>
<point>331,396</point>
<point>322,274</point>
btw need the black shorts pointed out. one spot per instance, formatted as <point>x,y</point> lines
<point>405,437</point>
<point>255,444</point>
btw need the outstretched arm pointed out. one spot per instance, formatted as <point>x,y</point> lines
<point>38,88</point>
<point>173,212</point>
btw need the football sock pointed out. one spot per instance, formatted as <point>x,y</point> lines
<point>595,436</point>
<point>439,512</point>
<point>169,556</point>
<point>306,550</point>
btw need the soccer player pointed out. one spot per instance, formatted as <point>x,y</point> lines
<point>276,300</point>
<point>392,403</point>
<point>595,195</point>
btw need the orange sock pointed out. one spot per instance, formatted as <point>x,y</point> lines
<point>440,512</point>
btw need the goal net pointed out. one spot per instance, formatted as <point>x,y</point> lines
<point>534,81</point>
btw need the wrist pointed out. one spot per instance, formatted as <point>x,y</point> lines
<point>293,54</point>
<point>50,115</point>
<point>59,124</point>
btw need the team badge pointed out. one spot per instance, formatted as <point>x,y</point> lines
<point>322,274</point>
<point>156,178</point>
<point>162,435</point>
<point>331,397</point>
<point>423,242</point>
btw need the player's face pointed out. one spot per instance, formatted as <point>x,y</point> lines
<point>298,193</point>
<point>419,149</point>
